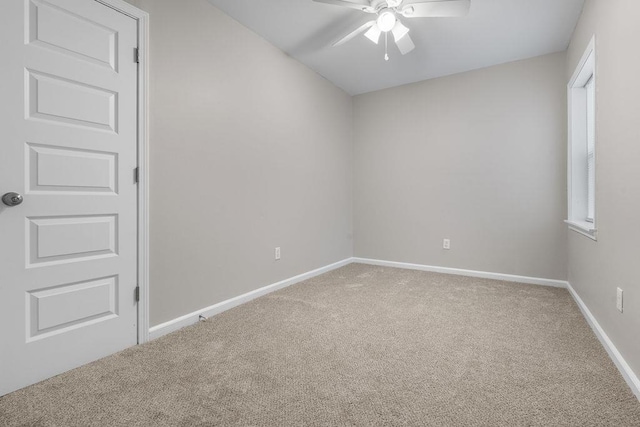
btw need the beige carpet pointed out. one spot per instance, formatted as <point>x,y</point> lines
<point>361,346</point>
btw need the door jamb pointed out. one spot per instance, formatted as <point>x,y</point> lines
<point>142,18</point>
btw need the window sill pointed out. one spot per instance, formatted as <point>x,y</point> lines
<point>583,227</point>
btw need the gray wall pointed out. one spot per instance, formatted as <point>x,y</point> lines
<point>479,158</point>
<point>249,150</point>
<point>597,268</point>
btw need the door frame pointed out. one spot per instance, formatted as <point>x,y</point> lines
<point>142,18</point>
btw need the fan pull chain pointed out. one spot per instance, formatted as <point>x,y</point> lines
<point>386,45</point>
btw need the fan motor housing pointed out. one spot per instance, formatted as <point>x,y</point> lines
<point>378,5</point>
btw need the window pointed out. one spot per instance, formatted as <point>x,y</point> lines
<point>582,146</point>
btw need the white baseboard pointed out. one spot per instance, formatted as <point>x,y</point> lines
<point>191,318</point>
<point>469,273</point>
<point>627,373</point>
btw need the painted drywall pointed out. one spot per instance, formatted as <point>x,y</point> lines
<point>597,268</point>
<point>249,150</point>
<point>478,158</point>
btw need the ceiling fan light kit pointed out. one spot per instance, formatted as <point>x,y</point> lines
<point>388,20</point>
<point>399,31</point>
<point>373,34</point>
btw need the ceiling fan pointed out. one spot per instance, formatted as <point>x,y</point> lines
<point>388,18</point>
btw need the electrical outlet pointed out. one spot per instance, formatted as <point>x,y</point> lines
<point>277,253</point>
<point>619,300</point>
<point>446,244</point>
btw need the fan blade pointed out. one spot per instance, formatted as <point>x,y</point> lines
<point>437,9</point>
<point>405,44</point>
<point>354,33</point>
<point>362,5</point>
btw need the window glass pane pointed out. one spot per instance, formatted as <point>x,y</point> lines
<point>591,140</point>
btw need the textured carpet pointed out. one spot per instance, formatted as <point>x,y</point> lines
<point>361,346</point>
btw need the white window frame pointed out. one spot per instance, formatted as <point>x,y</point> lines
<point>581,97</point>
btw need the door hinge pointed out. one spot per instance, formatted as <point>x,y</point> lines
<point>136,175</point>
<point>137,294</point>
<point>136,55</point>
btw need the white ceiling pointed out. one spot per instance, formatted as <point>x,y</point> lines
<point>494,32</point>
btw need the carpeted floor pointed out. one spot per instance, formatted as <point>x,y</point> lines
<point>362,346</point>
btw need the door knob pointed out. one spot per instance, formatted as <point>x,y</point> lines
<point>12,199</point>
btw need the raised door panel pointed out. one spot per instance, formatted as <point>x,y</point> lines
<point>56,28</point>
<point>56,240</point>
<point>68,170</point>
<point>63,101</point>
<point>61,308</point>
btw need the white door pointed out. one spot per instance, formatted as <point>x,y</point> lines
<point>68,146</point>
